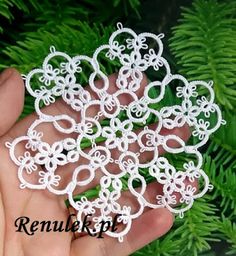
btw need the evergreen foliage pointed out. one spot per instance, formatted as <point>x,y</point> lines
<point>203,44</point>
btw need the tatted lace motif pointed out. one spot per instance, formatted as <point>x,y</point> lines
<point>58,77</point>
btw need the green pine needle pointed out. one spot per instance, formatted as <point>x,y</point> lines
<point>204,46</point>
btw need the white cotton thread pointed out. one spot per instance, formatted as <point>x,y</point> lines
<point>135,57</point>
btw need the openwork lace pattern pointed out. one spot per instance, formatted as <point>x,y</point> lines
<point>101,164</point>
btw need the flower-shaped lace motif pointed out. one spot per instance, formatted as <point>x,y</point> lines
<point>111,154</point>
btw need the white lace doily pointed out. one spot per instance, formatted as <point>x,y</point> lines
<point>59,77</point>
